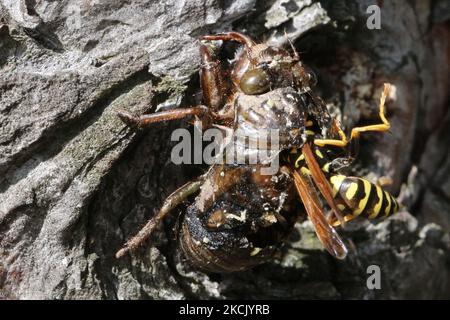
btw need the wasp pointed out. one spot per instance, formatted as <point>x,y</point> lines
<point>240,216</point>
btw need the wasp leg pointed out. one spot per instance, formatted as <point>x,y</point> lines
<point>231,36</point>
<point>382,127</point>
<point>170,203</point>
<point>343,142</point>
<point>384,181</point>
<point>354,136</point>
<point>144,120</point>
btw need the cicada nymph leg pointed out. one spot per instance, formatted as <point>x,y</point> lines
<point>231,36</point>
<point>147,119</point>
<point>214,92</point>
<point>170,203</point>
<point>214,86</point>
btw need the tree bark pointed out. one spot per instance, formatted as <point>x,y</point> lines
<point>75,182</point>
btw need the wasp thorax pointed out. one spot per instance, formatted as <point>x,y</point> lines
<point>255,81</point>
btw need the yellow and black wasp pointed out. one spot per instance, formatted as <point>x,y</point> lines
<point>349,197</point>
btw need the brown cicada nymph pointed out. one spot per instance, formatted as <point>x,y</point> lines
<point>240,216</point>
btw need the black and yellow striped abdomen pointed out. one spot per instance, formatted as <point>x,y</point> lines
<point>355,197</point>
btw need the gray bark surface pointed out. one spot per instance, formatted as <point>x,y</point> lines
<point>75,182</point>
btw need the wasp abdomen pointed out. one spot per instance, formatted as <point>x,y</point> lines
<point>354,196</point>
<point>359,197</point>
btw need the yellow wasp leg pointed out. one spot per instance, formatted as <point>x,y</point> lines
<point>335,222</point>
<point>385,126</point>
<point>333,142</point>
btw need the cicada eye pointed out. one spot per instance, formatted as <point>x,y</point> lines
<point>255,81</point>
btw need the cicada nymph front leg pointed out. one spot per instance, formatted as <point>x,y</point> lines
<point>214,90</point>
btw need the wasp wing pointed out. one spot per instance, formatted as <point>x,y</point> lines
<point>325,232</point>
<point>321,182</point>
